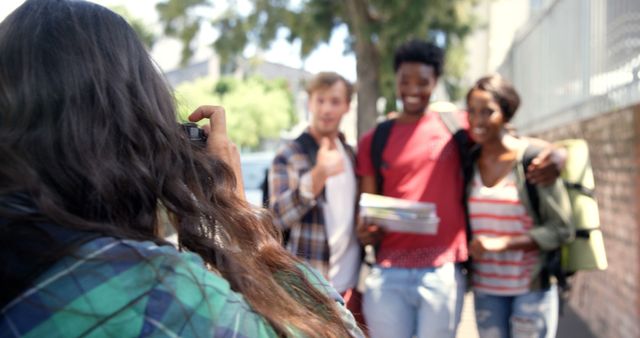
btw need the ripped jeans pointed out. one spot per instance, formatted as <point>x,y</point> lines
<point>531,315</point>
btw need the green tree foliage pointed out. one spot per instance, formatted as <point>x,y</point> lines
<point>376,28</point>
<point>257,109</point>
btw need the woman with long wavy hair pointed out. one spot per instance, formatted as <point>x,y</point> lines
<point>91,155</point>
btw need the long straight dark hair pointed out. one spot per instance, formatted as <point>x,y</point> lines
<point>88,133</point>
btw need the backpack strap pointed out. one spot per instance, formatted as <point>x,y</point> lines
<point>552,265</point>
<point>380,138</point>
<point>466,154</point>
<point>534,201</point>
<point>264,186</point>
<point>309,146</point>
<point>529,154</point>
<point>450,121</point>
<point>580,188</point>
<point>461,137</point>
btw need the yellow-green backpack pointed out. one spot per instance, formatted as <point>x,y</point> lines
<point>586,251</point>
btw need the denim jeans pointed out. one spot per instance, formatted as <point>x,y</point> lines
<point>531,315</point>
<point>402,303</point>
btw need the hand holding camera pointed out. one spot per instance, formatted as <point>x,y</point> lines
<point>195,134</point>
<point>217,142</point>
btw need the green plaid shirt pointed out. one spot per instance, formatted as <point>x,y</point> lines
<point>122,288</point>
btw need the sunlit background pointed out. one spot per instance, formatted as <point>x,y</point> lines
<point>166,52</point>
<point>575,63</point>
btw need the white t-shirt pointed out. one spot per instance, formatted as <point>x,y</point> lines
<point>340,194</point>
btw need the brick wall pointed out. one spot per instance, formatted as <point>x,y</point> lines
<point>609,301</point>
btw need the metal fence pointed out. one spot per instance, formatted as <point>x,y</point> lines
<point>574,60</point>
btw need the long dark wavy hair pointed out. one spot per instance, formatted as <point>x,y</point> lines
<point>88,133</point>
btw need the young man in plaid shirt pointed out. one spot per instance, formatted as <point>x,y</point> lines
<point>312,190</point>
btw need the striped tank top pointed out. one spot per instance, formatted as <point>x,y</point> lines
<point>497,211</point>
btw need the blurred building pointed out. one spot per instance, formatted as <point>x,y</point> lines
<point>210,67</point>
<point>499,21</point>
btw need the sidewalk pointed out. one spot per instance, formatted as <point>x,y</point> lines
<point>467,327</point>
<point>569,326</point>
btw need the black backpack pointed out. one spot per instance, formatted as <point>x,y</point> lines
<point>381,136</point>
<point>554,265</point>
<point>309,147</point>
<point>460,136</point>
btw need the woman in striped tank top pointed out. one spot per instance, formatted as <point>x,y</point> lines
<point>509,243</point>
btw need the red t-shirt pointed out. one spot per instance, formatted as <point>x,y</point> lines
<point>422,164</point>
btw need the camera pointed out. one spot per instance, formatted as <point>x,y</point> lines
<point>195,134</point>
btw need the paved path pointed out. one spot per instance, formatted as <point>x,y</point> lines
<point>569,325</point>
<point>467,328</point>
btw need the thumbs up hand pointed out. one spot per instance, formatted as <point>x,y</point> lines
<point>329,160</point>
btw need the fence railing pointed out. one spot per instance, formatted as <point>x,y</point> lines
<point>574,60</point>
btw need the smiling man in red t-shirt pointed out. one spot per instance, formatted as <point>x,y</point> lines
<point>416,286</point>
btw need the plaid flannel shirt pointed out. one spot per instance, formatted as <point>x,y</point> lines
<point>123,288</point>
<point>304,217</point>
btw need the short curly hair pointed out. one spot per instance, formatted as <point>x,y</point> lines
<point>421,52</point>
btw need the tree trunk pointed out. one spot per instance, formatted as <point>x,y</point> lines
<point>368,87</point>
<point>368,64</point>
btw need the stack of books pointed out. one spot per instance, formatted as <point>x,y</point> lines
<point>398,215</point>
